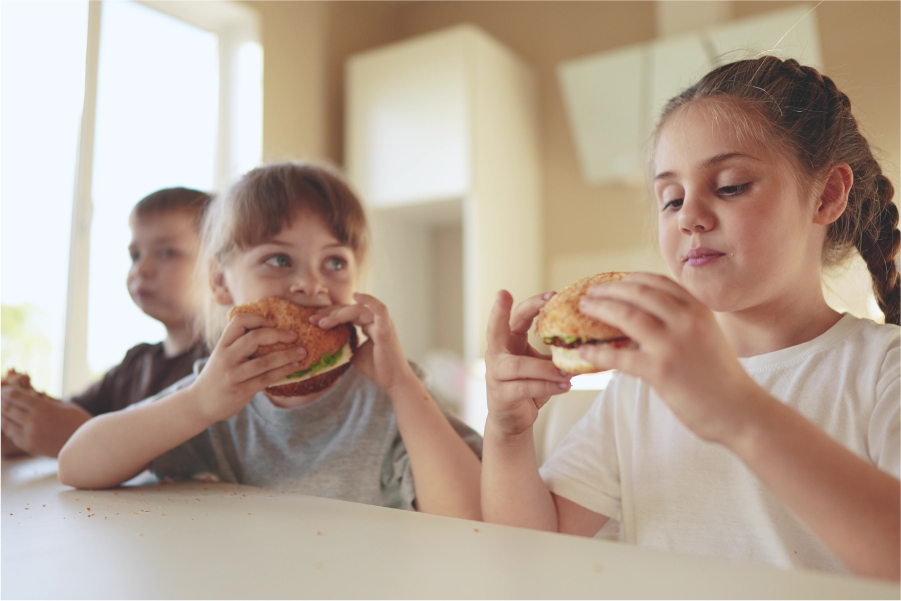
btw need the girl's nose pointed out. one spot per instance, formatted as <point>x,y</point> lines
<point>695,216</point>
<point>307,284</point>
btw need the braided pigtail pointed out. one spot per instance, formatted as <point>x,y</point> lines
<point>879,244</point>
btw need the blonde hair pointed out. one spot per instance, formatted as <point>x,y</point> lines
<point>259,206</point>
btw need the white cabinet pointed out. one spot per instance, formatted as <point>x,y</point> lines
<point>614,99</point>
<point>442,145</point>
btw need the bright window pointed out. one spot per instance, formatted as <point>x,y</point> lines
<point>173,97</point>
<point>42,60</point>
<point>157,115</point>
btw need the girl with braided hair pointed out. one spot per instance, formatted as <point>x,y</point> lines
<point>753,421</point>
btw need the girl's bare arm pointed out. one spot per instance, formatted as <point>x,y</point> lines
<point>112,448</point>
<point>445,469</point>
<point>852,506</point>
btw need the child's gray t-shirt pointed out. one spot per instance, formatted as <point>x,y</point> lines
<point>344,445</point>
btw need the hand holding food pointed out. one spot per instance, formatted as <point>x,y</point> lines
<point>381,358</point>
<point>235,371</point>
<point>566,329</point>
<point>519,379</point>
<point>328,352</point>
<point>682,352</point>
<point>34,422</point>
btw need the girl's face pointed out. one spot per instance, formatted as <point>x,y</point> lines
<point>733,226</point>
<point>304,263</point>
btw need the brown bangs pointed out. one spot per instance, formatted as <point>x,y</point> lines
<point>270,198</point>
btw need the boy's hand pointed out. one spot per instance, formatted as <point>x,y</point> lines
<point>38,424</point>
<point>520,380</point>
<point>230,378</point>
<point>381,358</point>
<point>682,352</point>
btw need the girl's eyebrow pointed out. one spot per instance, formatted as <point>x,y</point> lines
<point>714,160</point>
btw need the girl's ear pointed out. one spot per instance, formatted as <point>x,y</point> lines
<point>221,294</point>
<point>834,197</point>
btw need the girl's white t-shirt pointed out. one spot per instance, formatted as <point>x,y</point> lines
<point>632,460</point>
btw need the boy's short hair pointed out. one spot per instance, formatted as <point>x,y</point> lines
<point>168,200</point>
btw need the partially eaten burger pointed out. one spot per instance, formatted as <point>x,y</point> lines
<point>328,351</point>
<point>565,329</point>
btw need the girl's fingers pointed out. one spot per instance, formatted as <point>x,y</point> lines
<point>254,339</point>
<point>652,280</point>
<point>371,303</point>
<point>278,360</point>
<point>526,312</point>
<point>240,325</point>
<point>636,323</point>
<point>272,376</point>
<point>355,314</point>
<point>529,389</point>
<point>651,299</point>
<point>499,322</point>
<point>630,361</point>
<point>518,367</point>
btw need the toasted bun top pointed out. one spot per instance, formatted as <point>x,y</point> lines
<point>560,316</point>
<point>290,316</point>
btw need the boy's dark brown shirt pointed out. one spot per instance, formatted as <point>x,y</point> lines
<point>144,372</point>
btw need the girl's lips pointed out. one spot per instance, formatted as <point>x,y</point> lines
<point>697,257</point>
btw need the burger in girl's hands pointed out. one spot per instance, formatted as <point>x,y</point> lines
<point>564,328</point>
<point>328,351</point>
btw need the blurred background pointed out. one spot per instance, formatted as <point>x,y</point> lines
<point>496,145</point>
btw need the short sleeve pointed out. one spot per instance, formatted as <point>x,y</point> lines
<point>397,478</point>
<point>884,433</point>
<point>584,468</point>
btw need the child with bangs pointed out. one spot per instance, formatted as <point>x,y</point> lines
<point>376,436</point>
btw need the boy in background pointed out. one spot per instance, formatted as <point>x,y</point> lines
<point>165,229</point>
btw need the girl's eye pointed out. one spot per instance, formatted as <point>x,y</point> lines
<point>335,263</point>
<point>167,253</point>
<point>134,256</point>
<point>278,261</point>
<point>672,205</point>
<point>734,190</point>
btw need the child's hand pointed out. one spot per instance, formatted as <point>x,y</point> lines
<point>682,352</point>
<point>381,358</point>
<point>520,380</point>
<point>230,378</point>
<point>37,423</point>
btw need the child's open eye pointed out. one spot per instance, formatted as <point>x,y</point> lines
<point>167,253</point>
<point>734,190</point>
<point>278,261</point>
<point>335,263</point>
<point>135,255</point>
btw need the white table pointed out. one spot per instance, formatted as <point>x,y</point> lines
<point>197,540</point>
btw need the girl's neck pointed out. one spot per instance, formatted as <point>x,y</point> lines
<point>782,324</point>
<point>179,338</point>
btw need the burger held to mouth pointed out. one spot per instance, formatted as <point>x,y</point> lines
<point>565,329</point>
<point>328,351</point>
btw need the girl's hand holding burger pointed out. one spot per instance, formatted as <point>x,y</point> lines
<point>230,378</point>
<point>682,352</point>
<point>381,358</point>
<point>519,379</point>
